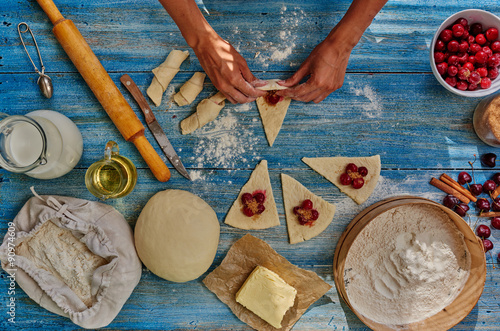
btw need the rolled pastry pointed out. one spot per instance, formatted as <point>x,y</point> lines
<point>190,90</point>
<point>164,73</point>
<point>206,111</point>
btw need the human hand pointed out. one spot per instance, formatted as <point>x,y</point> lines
<point>228,70</point>
<point>325,67</point>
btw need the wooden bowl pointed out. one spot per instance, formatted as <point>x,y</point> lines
<point>451,314</point>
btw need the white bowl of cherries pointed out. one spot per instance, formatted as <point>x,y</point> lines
<point>465,53</point>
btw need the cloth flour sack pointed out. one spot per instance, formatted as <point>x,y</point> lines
<point>74,257</point>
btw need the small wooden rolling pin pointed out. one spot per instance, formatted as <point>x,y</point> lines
<point>103,88</point>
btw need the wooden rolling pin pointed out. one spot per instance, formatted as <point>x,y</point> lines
<point>103,88</point>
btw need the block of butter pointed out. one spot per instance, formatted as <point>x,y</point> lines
<point>266,295</point>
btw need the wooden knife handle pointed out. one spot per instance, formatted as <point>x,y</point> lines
<point>138,97</point>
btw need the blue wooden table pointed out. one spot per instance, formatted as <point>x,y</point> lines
<point>390,104</point>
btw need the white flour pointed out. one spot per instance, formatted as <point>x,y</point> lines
<point>406,265</point>
<point>374,108</point>
<point>225,143</point>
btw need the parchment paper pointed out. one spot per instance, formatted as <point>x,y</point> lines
<point>241,259</point>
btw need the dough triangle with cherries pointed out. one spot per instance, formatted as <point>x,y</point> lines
<point>294,194</point>
<point>259,182</point>
<point>332,167</point>
<point>272,115</point>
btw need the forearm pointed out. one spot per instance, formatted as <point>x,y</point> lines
<point>355,21</point>
<point>190,21</point>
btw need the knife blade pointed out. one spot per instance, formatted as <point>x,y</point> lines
<point>153,125</point>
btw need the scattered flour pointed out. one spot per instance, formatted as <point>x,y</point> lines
<point>374,108</point>
<point>225,143</point>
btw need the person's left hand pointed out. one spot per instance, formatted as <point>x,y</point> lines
<point>325,66</point>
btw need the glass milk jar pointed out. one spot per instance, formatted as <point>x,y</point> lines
<point>43,144</point>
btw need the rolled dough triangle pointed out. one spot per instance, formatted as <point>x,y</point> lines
<point>294,193</point>
<point>259,181</point>
<point>332,167</point>
<point>272,116</point>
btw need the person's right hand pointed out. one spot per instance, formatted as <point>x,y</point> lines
<point>228,70</point>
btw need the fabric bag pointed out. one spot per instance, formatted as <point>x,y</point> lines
<point>74,257</point>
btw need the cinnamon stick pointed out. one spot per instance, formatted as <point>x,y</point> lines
<point>453,183</point>
<point>495,193</point>
<point>448,189</point>
<point>489,214</point>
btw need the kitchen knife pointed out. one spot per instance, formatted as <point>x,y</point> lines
<point>153,125</point>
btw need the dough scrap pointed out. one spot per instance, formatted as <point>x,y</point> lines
<point>294,193</point>
<point>177,235</point>
<point>332,167</point>
<point>272,115</point>
<point>164,73</point>
<point>190,90</point>
<point>259,181</point>
<point>206,111</point>
<point>59,252</point>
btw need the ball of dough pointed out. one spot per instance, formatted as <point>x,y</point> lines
<point>177,235</point>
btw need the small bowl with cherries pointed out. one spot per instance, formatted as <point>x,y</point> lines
<point>465,53</point>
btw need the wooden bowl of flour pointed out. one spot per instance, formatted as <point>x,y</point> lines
<point>349,269</point>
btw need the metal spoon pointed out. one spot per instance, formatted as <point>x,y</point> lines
<point>44,81</point>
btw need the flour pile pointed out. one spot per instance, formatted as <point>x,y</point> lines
<point>406,265</point>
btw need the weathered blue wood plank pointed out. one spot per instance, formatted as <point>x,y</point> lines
<point>275,35</point>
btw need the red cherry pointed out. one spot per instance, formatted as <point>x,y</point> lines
<point>351,167</point>
<point>472,59</point>
<point>481,39</point>
<point>345,179</point>
<point>491,34</point>
<point>472,87</point>
<point>453,60</point>
<point>307,204</point>
<point>452,71</point>
<point>483,231</point>
<point>458,30</point>
<point>474,78</point>
<point>489,186</point>
<point>446,35</point>
<point>483,72</point>
<point>363,171</point>
<point>442,68</point>
<point>260,209</point>
<point>476,28</point>
<point>469,66</point>
<point>471,39</point>
<point>453,46</point>
<point>450,201</point>
<point>483,204</point>
<point>464,178</point>
<point>246,198</point>
<point>489,160</point>
<point>495,222</point>
<point>496,178</point>
<point>452,81</point>
<point>476,189</point>
<point>495,46</point>
<point>487,245</point>
<point>474,48</point>
<point>462,21</point>
<point>440,46</point>
<point>485,83</point>
<point>462,209</point>
<point>259,197</point>
<point>314,215</point>
<point>463,46</point>
<point>462,85</point>
<point>439,57</point>
<point>358,183</point>
<point>481,57</point>
<point>296,210</point>
<point>463,73</point>
<point>248,212</point>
